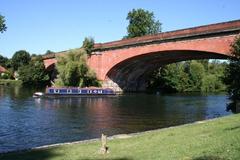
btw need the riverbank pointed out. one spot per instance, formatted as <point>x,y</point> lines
<point>217,139</point>
<point>10,82</point>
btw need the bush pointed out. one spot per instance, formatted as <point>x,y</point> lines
<point>34,73</point>
<point>74,71</point>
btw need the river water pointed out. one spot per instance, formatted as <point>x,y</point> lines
<point>27,122</point>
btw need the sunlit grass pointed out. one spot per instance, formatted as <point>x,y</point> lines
<point>217,139</point>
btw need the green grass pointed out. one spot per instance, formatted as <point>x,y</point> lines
<point>217,139</point>
<point>10,82</point>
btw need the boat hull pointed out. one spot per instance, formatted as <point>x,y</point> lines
<point>77,95</point>
<point>75,92</point>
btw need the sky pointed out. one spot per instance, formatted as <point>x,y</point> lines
<point>57,25</point>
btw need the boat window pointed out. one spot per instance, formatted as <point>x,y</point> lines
<point>69,91</point>
<point>51,91</point>
<point>79,91</point>
<point>89,91</point>
<point>56,91</point>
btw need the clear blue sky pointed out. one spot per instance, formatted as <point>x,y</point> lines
<point>40,25</point>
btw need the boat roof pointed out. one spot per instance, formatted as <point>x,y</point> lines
<point>77,88</point>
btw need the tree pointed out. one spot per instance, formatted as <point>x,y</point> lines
<point>20,58</point>
<point>3,26</point>
<point>142,22</point>
<point>213,79</point>
<point>205,63</point>
<point>235,50</point>
<point>169,78</point>
<point>232,80</point>
<point>196,74</point>
<point>3,61</point>
<point>33,73</point>
<point>209,83</point>
<point>88,45</point>
<point>188,76</point>
<point>232,76</point>
<point>74,71</point>
<point>49,52</point>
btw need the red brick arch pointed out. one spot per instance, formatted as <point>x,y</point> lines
<point>127,61</point>
<point>215,46</point>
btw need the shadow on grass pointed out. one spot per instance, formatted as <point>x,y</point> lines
<point>29,155</point>
<point>232,128</point>
<point>122,158</point>
<point>209,158</point>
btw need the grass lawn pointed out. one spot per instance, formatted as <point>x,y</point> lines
<point>217,139</point>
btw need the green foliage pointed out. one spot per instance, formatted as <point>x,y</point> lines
<point>3,26</point>
<point>5,75</point>
<point>196,73</point>
<point>49,52</point>
<point>7,82</point>
<point>4,61</point>
<point>232,75</point>
<point>209,83</point>
<point>232,80</point>
<point>20,58</point>
<point>205,63</point>
<point>142,22</point>
<point>189,76</point>
<point>74,71</point>
<point>236,49</point>
<point>168,78</point>
<point>88,45</point>
<point>33,73</point>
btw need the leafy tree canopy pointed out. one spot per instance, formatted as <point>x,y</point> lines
<point>74,71</point>
<point>3,26</point>
<point>188,76</point>
<point>142,22</point>
<point>49,52</point>
<point>33,73</point>
<point>3,61</point>
<point>196,74</point>
<point>20,58</point>
<point>236,49</point>
<point>88,45</point>
<point>232,76</point>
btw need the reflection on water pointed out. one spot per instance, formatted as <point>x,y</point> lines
<point>28,122</point>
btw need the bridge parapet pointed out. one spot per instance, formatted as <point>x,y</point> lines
<point>231,27</point>
<point>206,30</point>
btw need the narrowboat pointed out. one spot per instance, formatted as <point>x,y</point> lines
<point>74,91</point>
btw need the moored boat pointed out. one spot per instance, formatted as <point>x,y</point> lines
<point>38,94</point>
<point>74,91</point>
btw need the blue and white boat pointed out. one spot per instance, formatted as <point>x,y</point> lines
<point>74,91</point>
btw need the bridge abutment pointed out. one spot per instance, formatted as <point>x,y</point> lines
<point>111,84</point>
<point>125,86</point>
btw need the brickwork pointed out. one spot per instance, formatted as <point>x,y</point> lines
<point>125,59</point>
<point>103,62</point>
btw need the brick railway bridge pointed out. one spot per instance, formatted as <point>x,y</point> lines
<point>126,64</point>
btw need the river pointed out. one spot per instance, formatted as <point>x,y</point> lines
<point>27,122</point>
